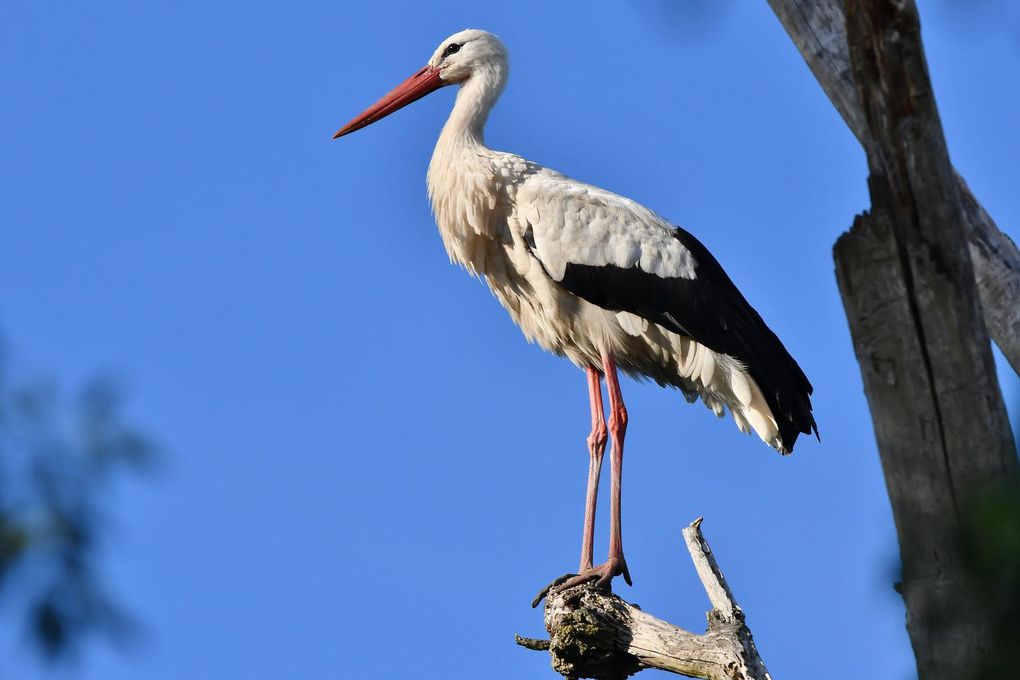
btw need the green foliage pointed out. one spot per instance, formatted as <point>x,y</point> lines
<point>991,550</point>
<point>58,461</point>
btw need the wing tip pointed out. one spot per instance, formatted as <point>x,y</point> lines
<point>792,427</point>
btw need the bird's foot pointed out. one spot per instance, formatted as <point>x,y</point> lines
<point>601,574</point>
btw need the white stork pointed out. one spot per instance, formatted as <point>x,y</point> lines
<point>597,278</point>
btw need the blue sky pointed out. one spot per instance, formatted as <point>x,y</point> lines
<point>368,473</point>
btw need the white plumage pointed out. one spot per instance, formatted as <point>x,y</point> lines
<point>594,276</point>
<point>517,224</point>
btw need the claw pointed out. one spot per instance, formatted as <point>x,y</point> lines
<point>549,588</point>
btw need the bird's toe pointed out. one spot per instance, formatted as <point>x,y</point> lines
<point>554,585</point>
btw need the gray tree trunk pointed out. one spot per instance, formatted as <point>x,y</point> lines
<point>913,305</point>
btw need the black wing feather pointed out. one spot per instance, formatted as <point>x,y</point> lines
<point>711,310</point>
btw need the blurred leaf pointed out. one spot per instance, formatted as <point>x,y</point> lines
<point>683,21</point>
<point>58,460</point>
<point>991,550</point>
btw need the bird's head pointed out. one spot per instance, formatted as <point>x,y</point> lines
<point>463,53</point>
<point>455,60</point>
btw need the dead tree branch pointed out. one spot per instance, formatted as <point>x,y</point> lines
<point>818,29</point>
<point>594,634</point>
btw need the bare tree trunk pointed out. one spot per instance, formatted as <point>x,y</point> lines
<point>818,29</point>
<point>915,315</point>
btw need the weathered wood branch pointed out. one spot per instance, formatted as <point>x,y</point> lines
<point>913,306</point>
<point>595,634</point>
<point>818,29</point>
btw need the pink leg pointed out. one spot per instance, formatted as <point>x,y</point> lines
<point>615,564</point>
<point>596,449</point>
<point>617,428</point>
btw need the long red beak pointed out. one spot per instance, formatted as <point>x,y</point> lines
<point>411,90</point>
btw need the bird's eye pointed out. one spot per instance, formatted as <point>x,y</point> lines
<point>452,48</point>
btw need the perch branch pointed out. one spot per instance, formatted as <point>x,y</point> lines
<point>595,634</point>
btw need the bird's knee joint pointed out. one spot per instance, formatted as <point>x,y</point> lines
<point>597,439</point>
<point>618,419</point>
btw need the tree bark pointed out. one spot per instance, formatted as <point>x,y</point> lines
<point>596,634</point>
<point>915,316</point>
<point>818,29</point>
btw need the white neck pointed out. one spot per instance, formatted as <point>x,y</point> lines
<point>477,95</point>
